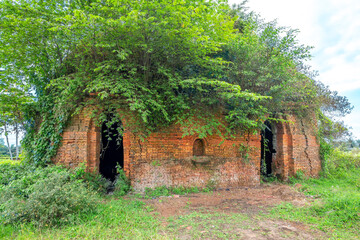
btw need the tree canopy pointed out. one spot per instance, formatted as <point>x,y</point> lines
<point>164,61</point>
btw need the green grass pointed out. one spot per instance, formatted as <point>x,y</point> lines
<point>116,219</point>
<point>7,160</point>
<point>336,209</point>
<point>168,191</point>
<point>209,225</point>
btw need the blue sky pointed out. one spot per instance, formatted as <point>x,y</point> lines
<point>332,27</point>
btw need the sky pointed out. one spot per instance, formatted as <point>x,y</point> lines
<point>332,27</point>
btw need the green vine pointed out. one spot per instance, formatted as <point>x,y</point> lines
<point>208,67</point>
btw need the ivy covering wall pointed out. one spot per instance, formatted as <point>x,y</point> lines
<point>164,61</point>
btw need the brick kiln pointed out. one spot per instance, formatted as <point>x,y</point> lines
<point>167,158</point>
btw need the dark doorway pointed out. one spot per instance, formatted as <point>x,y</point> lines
<point>267,150</point>
<point>112,150</point>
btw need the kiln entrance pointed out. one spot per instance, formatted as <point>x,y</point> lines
<point>267,150</point>
<point>111,150</point>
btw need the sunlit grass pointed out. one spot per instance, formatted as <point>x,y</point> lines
<point>336,209</point>
<point>116,219</point>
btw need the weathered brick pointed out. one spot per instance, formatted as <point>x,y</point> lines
<point>165,158</point>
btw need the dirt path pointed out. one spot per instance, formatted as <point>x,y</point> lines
<point>233,214</point>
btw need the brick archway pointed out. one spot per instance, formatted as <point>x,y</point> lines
<point>93,148</point>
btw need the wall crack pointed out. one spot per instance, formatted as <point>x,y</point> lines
<point>306,146</point>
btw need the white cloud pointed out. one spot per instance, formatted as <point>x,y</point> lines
<point>294,14</point>
<point>340,44</point>
<point>341,75</point>
<point>332,27</point>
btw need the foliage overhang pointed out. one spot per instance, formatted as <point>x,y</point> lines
<point>165,61</point>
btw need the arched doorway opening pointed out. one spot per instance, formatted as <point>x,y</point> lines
<point>267,150</point>
<point>111,150</point>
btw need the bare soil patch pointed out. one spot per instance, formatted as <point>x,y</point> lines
<point>233,214</point>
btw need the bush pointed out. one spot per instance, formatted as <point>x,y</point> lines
<point>341,164</point>
<point>45,196</point>
<point>93,181</point>
<point>9,171</point>
<point>122,183</point>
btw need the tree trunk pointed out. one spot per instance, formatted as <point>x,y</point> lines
<point>17,140</point>
<point>7,141</point>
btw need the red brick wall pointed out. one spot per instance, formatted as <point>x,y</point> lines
<point>166,158</point>
<point>80,144</point>
<point>297,148</point>
<point>305,147</point>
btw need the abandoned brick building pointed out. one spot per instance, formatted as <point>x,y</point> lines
<point>167,158</point>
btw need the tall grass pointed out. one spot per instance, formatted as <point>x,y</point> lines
<point>337,209</point>
<point>115,219</point>
<point>58,203</point>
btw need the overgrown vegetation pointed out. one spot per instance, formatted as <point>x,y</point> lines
<point>69,193</point>
<point>156,62</point>
<point>42,196</point>
<point>120,219</point>
<point>121,186</point>
<point>338,193</point>
<point>168,191</point>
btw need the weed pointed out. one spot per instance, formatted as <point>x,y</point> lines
<point>122,183</point>
<point>338,211</point>
<point>168,191</point>
<point>157,192</point>
<point>210,186</point>
<point>156,163</point>
<point>299,175</point>
<point>269,178</point>
<point>115,219</point>
<point>92,180</point>
<point>206,225</point>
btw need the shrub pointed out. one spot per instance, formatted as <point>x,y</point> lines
<point>340,164</point>
<point>9,171</point>
<point>46,196</point>
<point>157,192</point>
<point>93,181</point>
<point>121,184</point>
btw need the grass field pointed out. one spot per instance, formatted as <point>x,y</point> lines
<point>337,209</point>
<point>334,213</point>
<point>116,219</point>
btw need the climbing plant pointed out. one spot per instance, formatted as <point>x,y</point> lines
<point>157,62</point>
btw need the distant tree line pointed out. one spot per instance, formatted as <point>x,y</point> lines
<point>5,152</point>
